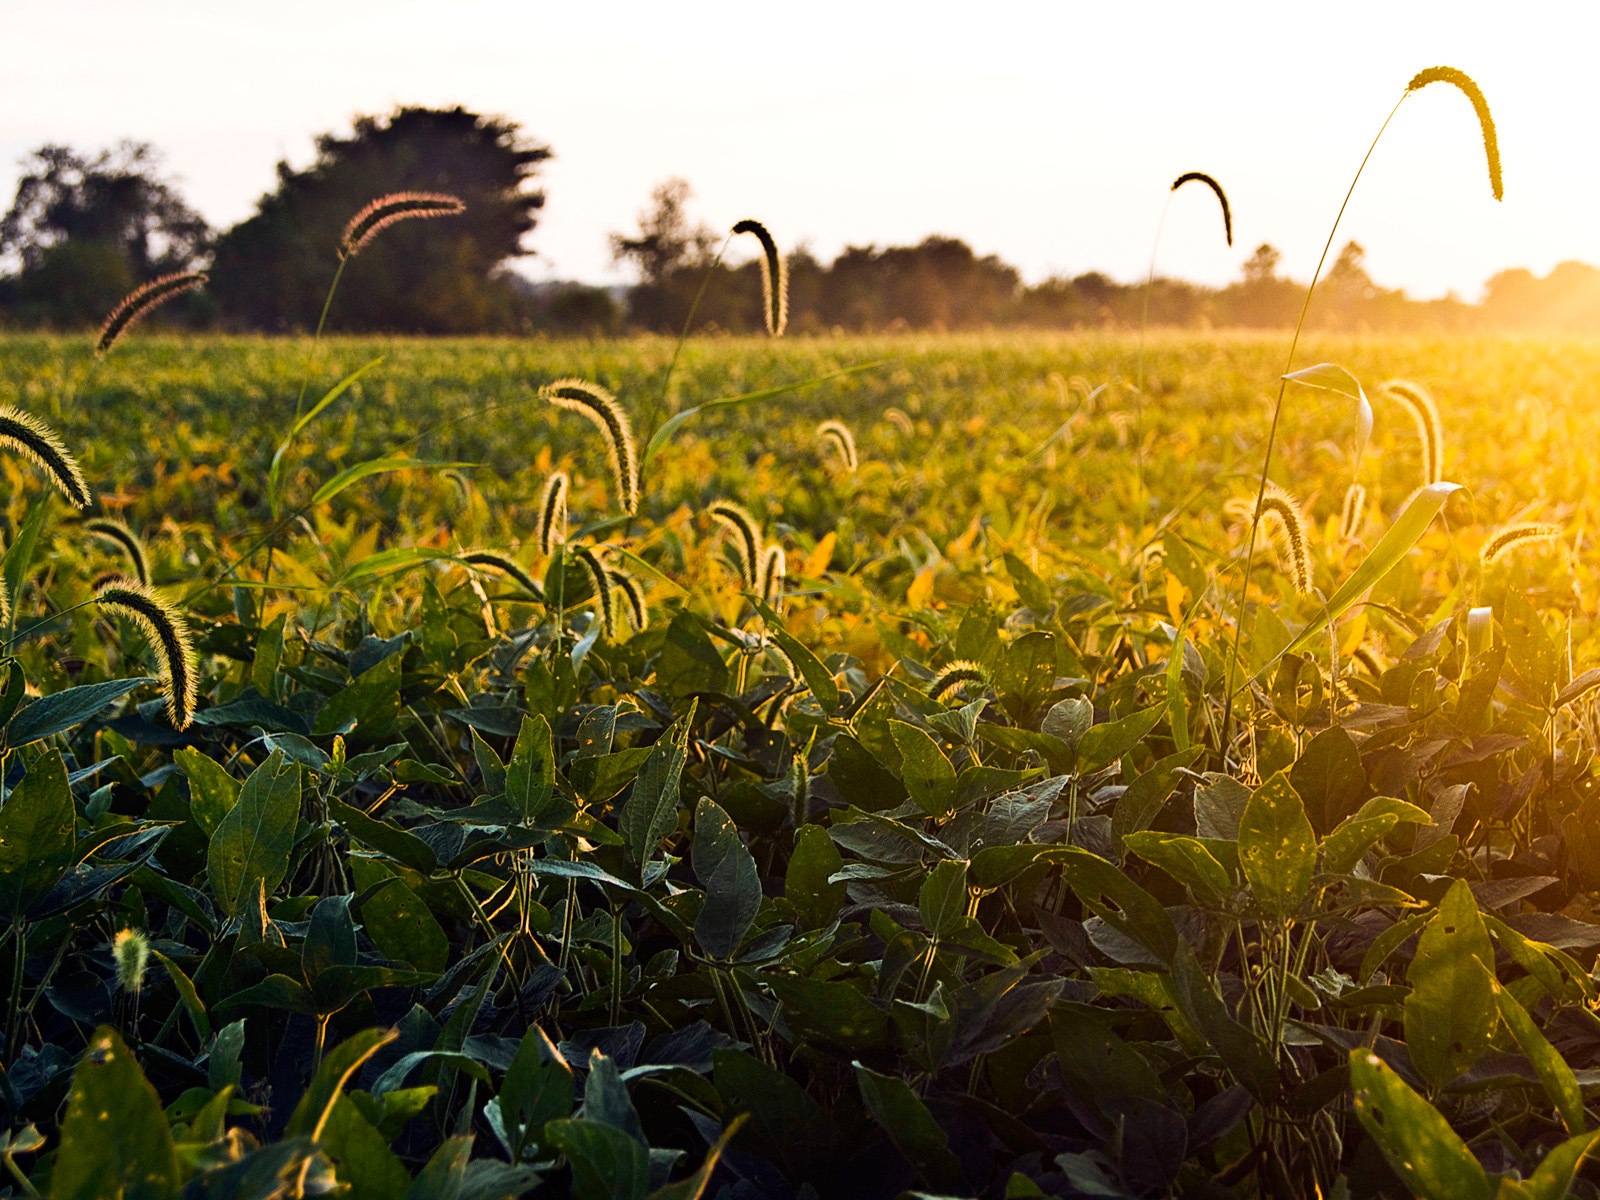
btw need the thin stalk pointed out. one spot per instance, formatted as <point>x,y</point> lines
<point>14,1012</point>
<point>1272,433</point>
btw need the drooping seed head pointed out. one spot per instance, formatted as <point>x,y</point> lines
<point>1287,526</point>
<point>736,519</point>
<point>898,418</point>
<point>837,434</point>
<point>772,575</point>
<point>606,415</point>
<point>130,950</point>
<point>37,442</point>
<point>552,527</point>
<point>1354,512</point>
<point>139,302</point>
<point>126,540</point>
<point>600,580</point>
<point>388,210</point>
<point>1222,197</point>
<point>168,635</point>
<point>1463,81</point>
<point>774,278</point>
<point>956,675</point>
<point>506,566</point>
<point>1515,537</point>
<point>632,597</point>
<point>1430,429</point>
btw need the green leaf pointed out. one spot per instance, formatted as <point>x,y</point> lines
<point>1118,901</point>
<point>910,1127</point>
<point>829,1012</point>
<point>786,1124</point>
<point>805,885</point>
<point>1098,1064</point>
<point>37,838</point>
<point>1329,778</point>
<point>531,773</point>
<point>269,653</point>
<point>212,791</point>
<point>328,1084</point>
<point>275,471</point>
<point>1553,1178</point>
<point>606,1163</point>
<point>537,1089</point>
<point>1187,860</point>
<point>19,554</point>
<point>924,769</point>
<point>651,811</point>
<point>1560,1084</point>
<point>1380,560</point>
<point>61,711</point>
<point>370,703</point>
<point>187,993</point>
<point>1104,744</point>
<point>1420,1145</point>
<point>1242,1051</point>
<point>1331,377</point>
<point>364,1160</point>
<point>993,866</point>
<point>115,1140</point>
<point>1277,847</point>
<point>1141,804</point>
<point>404,847</point>
<point>1030,588</point>
<point>942,900</point>
<point>727,871</point>
<point>404,929</point>
<point>376,466</point>
<point>250,850</point>
<point>818,678</point>
<point>689,662</point>
<point>1450,1014</point>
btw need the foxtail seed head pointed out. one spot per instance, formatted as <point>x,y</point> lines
<point>1287,526</point>
<point>837,434</point>
<point>37,442</point>
<point>1514,537</point>
<point>736,519</point>
<point>1354,512</point>
<point>606,415</point>
<point>1222,197</point>
<point>774,570</point>
<point>130,950</point>
<point>553,512</point>
<point>508,567</point>
<point>632,598</point>
<point>898,418</point>
<point>387,210</point>
<point>954,676</point>
<point>774,278</point>
<point>168,635</point>
<point>1463,81</point>
<point>600,580</point>
<point>124,539</point>
<point>1430,429</point>
<point>140,301</point>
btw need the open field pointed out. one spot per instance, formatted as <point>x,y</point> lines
<point>970,862</point>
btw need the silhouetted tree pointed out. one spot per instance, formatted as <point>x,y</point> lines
<point>670,254</point>
<point>272,270</point>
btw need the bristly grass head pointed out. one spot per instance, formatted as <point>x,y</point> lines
<point>1354,513</point>
<point>600,580</point>
<point>141,301</point>
<point>774,278</point>
<point>736,519</point>
<point>168,634</point>
<point>772,574</point>
<point>955,676</point>
<point>508,567</point>
<point>632,597</point>
<point>1286,525</point>
<point>603,411</point>
<point>552,526</point>
<point>1222,196</point>
<point>124,539</point>
<point>1463,81</point>
<point>1513,537</point>
<point>387,210</point>
<point>37,442</point>
<point>130,950</point>
<point>837,434</point>
<point>898,418</point>
<point>1430,429</point>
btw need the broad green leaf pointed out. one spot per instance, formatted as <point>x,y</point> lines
<point>924,769</point>
<point>36,834</point>
<point>1380,560</point>
<point>328,1084</point>
<point>689,662</point>
<point>1141,804</point>
<point>537,1089</point>
<point>269,653</point>
<point>19,554</point>
<point>1419,1143</point>
<point>1277,847</point>
<point>1451,1014</point>
<point>212,791</point>
<point>115,1140</point>
<point>1097,1063</point>
<point>404,847</point>
<point>606,1163</point>
<point>376,466</point>
<point>833,1013</point>
<point>942,900</point>
<point>786,1124</point>
<point>187,993</point>
<point>1552,1179</point>
<point>994,866</point>
<point>61,711</point>
<point>910,1127</point>
<point>728,873</point>
<point>364,1161</point>
<point>250,850</point>
<point>1242,1051</point>
<point>651,811</point>
<point>1187,860</point>
<point>818,678</point>
<point>369,704</point>
<point>403,928</point>
<point>1329,778</point>
<point>805,885</point>
<point>1118,901</point>
<point>1560,1084</point>
<point>531,773</point>
<point>1104,744</point>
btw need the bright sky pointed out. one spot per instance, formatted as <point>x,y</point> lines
<point>1046,133</point>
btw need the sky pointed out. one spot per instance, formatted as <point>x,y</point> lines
<point>1045,133</point>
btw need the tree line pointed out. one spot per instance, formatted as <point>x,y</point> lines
<point>85,229</point>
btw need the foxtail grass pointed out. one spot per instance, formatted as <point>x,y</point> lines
<point>37,442</point>
<point>898,418</point>
<point>389,210</point>
<point>772,575</point>
<point>736,519</point>
<point>1216,188</point>
<point>837,434</point>
<point>1430,429</point>
<point>140,302</point>
<point>1515,537</point>
<point>605,414</point>
<point>955,676</point>
<point>552,527</point>
<point>774,278</point>
<point>632,592</point>
<point>1480,107</point>
<point>130,951</point>
<point>168,635</point>
<point>600,581</point>
<point>126,540</point>
<point>507,566</point>
<point>1287,525</point>
<point>1354,512</point>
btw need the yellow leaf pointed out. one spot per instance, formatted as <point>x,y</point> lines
<point>921,589</point>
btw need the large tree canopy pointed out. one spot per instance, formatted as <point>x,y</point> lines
<point>273,270</point>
